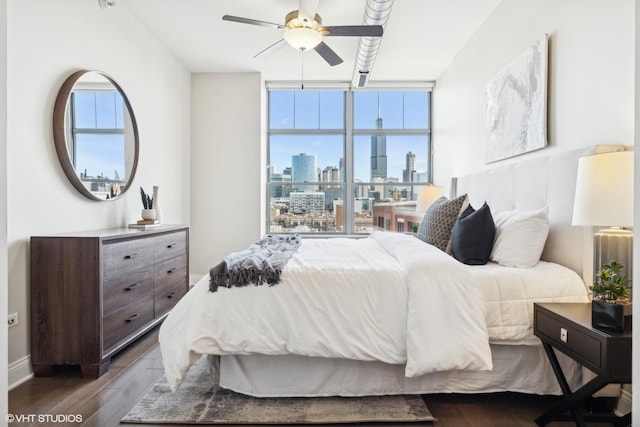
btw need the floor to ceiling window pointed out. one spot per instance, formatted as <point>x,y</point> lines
<point>340,160</point>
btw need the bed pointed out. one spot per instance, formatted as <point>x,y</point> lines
<point>411,319</point>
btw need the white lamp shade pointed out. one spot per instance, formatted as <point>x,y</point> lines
<point>427,195</point>
<point>302,38</point>
<point>604,190</point>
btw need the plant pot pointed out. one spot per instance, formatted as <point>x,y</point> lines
<point>148,214</point>
<point>610,316</point>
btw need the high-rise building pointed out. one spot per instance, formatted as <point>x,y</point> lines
<point>310,202</point>
<point>279,185</point>
<point>303,169</point>
<point>410,169</point>
<point>378,153</point>
<point>330,174</point>
<point>332,191</point>
<point>360,190</point>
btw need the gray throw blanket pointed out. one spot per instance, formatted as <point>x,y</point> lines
<point>261,263</point>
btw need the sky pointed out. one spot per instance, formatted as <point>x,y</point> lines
<point>288,110</point>
<point>324,110</point>
<point>99,154</point>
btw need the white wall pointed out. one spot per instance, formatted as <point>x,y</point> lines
<point>47,40</point>
<point>591,72</point>
<point>4,407</point>
<point>226,165</point>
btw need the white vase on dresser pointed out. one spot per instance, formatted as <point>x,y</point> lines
<point>156,204</point>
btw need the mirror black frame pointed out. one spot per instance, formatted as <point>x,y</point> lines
<point>60,134</point>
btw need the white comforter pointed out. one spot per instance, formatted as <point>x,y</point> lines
<point>389,297</point>
<point>509,294</point>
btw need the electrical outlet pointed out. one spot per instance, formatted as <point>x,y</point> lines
<point>12,320</point>
<point>563,335</point>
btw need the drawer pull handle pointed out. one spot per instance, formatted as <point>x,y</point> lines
<point>173,245</point>
<point>172,294</point>
<point>171,270</point>
<point>132,318</point>
<point>132,256</point>
<point>132,287</point>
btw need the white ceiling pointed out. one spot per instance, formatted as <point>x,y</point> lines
<point>420,40</point>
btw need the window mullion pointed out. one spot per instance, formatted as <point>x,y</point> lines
<point>348,202</point>
<point>374,132</point>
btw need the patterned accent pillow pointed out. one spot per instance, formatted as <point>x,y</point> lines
<point>438,221</point>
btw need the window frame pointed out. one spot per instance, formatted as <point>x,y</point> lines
<point>349,133</point>
<point>74,131</point>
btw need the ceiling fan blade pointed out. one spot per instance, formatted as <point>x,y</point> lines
<point>251,21</point>
<point>353,30</point>
<point>307,10</point>
<point>271,49</point>
<point>328,54</point>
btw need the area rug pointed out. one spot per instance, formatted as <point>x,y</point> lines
<point>200,400</point>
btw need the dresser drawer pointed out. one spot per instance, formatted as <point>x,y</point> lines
<point>171,272</point>
<point>170,245</point>
<point>167,297</point>
<point>127,288</point>
<point>122,257</point>
<point>126,320</point>
<point>581,344</point>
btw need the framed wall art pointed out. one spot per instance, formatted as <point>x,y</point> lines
<point>516,105</point>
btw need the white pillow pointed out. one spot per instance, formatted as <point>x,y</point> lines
<point>520,237</point>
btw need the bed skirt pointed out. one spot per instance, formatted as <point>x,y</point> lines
<point>516,368</point>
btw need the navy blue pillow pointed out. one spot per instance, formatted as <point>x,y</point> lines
<point>473,236</point>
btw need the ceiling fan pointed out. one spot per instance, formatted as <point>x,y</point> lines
<point>303,30</point>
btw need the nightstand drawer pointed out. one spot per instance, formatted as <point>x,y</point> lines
<point>580,344</point>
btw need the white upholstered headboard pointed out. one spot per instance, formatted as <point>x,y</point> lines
<point>532,184</point>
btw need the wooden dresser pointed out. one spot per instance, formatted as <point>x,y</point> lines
<point>92,293</point>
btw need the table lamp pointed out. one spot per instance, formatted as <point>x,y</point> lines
<point>427,195</point>
<point>604,198</point>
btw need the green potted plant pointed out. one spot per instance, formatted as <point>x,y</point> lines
<point>414,229</point>
<point>611,298</point>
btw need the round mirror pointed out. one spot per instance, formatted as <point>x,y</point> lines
<point>96,135</point>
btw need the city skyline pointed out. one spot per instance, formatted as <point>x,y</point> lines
<point>326,155</point>
<point>324,111</point>
<point>319,176</point>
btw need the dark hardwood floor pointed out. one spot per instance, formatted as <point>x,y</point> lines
<point>103,402</point>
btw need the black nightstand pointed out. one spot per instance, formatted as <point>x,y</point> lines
<point>567,328</point>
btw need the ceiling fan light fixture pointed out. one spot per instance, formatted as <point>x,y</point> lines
<point>302,38</point>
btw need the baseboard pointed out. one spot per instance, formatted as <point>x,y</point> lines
<point>624,403</point>
<point>19,372</point>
